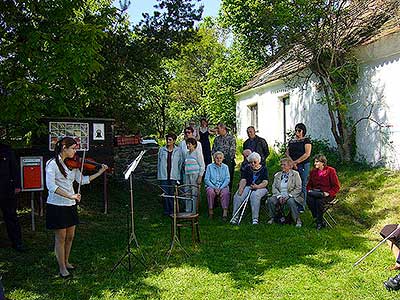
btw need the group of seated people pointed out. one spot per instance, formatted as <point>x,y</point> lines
<point>322,187</point>
<point>175,164</point>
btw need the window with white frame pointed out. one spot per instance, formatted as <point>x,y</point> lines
<point>253,109</point>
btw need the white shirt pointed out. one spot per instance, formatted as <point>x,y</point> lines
<point>55,179</point>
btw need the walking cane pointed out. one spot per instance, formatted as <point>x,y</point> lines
<point>241,209</point>
<point>376,247</point>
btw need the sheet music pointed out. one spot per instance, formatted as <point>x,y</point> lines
<point>134,164</point>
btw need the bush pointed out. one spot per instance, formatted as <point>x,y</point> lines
<point>323,147</point>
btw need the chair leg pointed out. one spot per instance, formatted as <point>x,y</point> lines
<point>198,231</point>
<point>331,217</point>
<point>179,233</point>
<point>326,221</point>
<point>193,238</point>
<point>172,230</point>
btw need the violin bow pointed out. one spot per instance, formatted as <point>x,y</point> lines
<point>80,180</point>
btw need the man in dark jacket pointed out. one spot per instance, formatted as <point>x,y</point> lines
<point>256,144</point>
<point>9,186</point>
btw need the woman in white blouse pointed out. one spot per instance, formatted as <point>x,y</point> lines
<point>61,210</point>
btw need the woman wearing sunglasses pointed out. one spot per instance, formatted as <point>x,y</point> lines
<point>299,151</point>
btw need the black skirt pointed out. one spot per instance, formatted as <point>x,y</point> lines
<point>60,217</point>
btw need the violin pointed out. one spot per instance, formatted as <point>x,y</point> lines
<point>89,164</point>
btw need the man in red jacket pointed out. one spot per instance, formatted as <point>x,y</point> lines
<point>322,187</point>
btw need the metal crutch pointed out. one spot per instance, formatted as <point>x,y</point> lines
<point>373,249</point>
<point>241,209</point>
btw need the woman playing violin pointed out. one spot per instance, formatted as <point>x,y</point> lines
<point>61,209</point>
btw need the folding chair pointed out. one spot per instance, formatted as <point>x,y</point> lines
<point>328,218</point>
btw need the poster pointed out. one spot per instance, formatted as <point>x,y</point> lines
<point>78,131</point>
<point>98,131</point>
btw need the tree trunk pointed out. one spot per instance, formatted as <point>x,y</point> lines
<point>340,128</point>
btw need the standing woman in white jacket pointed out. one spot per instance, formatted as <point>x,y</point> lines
<point>61,208</point>
<point>169,165</point>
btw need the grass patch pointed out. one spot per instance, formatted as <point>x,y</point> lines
<point>246,262</point>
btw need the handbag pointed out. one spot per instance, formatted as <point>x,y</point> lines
<point>316,193</point>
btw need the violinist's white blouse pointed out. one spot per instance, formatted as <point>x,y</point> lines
<point>55,179</point>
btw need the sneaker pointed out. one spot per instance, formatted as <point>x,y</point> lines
<point>234,222</point>
<point>320,226</point>
<point>271,221</point>
<point>255,222</point>
<point>299,224</point>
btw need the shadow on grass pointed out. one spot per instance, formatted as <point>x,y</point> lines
<point>244,253</point>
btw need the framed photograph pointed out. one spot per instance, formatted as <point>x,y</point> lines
<point>78,131</point>
<point>98,132</point>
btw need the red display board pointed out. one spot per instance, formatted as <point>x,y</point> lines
<point>32,173</point>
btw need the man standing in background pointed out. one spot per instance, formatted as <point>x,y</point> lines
<point>9,186</point>
<point>256,144</point>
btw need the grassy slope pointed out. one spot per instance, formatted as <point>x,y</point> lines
<point>246,262</point>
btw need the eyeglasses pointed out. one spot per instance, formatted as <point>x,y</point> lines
<point>254,162</point>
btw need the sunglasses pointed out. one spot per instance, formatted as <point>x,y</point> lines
<point>299,130</point>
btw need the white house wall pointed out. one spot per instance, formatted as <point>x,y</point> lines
<point>379,84</point>
<point>302,107</point>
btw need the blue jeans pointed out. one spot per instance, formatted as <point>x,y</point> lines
<point>168,187</point>
<point>303,170</point>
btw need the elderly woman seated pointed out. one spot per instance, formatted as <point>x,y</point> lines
<point>286,191</point>
<point>322,187</point>
<point>217,184</point>
<point>253,183</point>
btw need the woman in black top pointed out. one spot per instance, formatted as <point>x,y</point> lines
<point>204,134</point>
<point>299,151</point>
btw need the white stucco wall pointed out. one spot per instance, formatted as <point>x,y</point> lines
<point>302,107</point>
<point>379,85</point>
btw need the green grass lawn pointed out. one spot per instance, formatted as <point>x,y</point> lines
<point>231,262</point>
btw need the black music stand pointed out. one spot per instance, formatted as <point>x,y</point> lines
<point>130,221</point>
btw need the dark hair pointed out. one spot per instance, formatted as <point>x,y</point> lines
<point>190,129</point>
<point>252,127</point>
<point>321,158</point>
<point>67,142</point>
<point>203,119</point>
<point>302,127</point>
<point>170,135</point>
<point>191,141</point>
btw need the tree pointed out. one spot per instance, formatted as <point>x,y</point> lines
<point>321,34</point>
<point>48,50</point>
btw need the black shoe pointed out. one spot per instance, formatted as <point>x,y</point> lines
<point>69,276</point>
<point>392,284</point>
<point>19,248</point>
<point>73,268</point>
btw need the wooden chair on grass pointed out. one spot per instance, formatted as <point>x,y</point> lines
<point>187,219</point>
